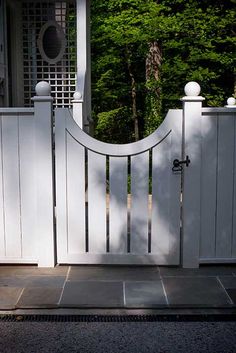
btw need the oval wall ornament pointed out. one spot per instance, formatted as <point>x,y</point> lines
<point>51,42</point>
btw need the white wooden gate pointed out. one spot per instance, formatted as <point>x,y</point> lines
<point>105,210</point>
<point>117,204</point>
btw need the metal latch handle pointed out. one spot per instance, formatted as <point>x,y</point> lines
<point>178,165</point>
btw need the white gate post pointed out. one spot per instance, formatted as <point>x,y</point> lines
<point>44,175</point>
<point>192,110</point>
<point>78,109</point>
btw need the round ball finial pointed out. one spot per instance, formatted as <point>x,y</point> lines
<point>231,101</point>
<point>77,95</point>
<point>43,89</point>
<point>192,89</point>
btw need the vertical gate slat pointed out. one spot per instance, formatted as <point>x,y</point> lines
<point>139,203</point>
<point>208,186</point>
<point>96,203</point>
<point>75,196</point>
<point>161,173</point>
<point>175,189</point>
<point>224,186</point>
<point>2,210</point>
<point>234,196</point>
<point>11,186</point>
<point>61,197</point>
<point>27,184</point>
<point>118,205</point>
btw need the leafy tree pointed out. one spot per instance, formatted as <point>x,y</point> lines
<point>200,47</point>
<point>143,53</point>
<point>126,31</point>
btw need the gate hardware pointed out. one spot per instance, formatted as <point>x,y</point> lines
<point>177,164</point>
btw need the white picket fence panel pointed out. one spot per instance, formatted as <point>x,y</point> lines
<point>17,186</point>
<point>72,204</point>
<point>98,219</point>
<point>26,184</point>
<point>218,186</point>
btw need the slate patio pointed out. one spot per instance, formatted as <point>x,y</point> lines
<point>29,287</point>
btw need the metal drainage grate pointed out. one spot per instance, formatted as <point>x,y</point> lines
<point>118,318</point>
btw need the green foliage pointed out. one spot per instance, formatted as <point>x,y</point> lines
<point>200,47</point>
<point>153,116</point>
<point>114,126</point>
<point>197,41</point>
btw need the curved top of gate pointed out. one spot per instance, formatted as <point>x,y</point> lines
<point>119,150</point>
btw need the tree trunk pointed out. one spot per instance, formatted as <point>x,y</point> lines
<point>153,63</point>
<point>153,88</point>
<point>133,95</point>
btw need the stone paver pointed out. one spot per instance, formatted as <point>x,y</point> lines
<point>93,294</point>
<point>144,294</point>
<point>195,291</point>
<point>228,281</point>
<point>232,293</point>
<point>204,271</point>
<point>6,271</point>
<point>32,281</point>
<point>113,273</point>
<point>9,297</point>
<point>117,287</point>
<point>39,297</point>
<point>14,281</point>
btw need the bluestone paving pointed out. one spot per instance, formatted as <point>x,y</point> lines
<point>93,294</point>
<point>232,293</point>
<point>39,296</point>
<point>204,271</point>
<point>32,281</point>
<point>144,294</point>
<point>195,291</point>
<point>9,297</point>
<point>14,281</point>
<point>228,281</point>
<point>117,287</point>
<point>113,273</point>
<point>32,271</point>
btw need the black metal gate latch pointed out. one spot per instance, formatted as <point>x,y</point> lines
<point>178,165</point>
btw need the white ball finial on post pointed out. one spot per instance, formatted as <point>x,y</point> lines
<point>43,88</point>
<point>192,89</point>
<point>231,102</point>
<point>78,108</point>
<point>77,96</point>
